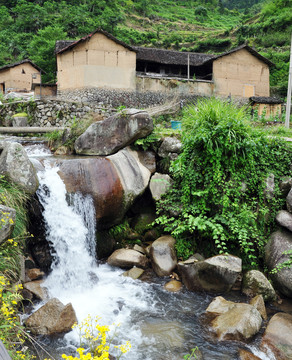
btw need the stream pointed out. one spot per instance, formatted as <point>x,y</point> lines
<point>160,325</point>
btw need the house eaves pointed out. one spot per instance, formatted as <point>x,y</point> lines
<point>20,63</point>
<point>71,44</point>
<point>171,57</point>
<point>249,49</point>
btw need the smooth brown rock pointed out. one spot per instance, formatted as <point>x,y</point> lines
<point>259,304</point>
<point>52,318</point>
<point>114,182</point>
<point>127,258</point>
<point>278,336</point>
<point>134,273</point>
<point>216,274</point>
<point>163,255</point>
<point>219,306</point>
<point>173,286</point>
<point>35,288</point>
<point>241,322</point>
<point>35,274</point>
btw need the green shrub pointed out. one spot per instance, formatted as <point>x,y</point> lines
<point>217,202</point>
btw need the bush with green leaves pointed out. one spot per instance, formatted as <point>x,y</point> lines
<point>219,202</point>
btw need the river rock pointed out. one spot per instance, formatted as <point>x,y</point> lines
<point>254,283</point>
<point>173,286</point>
<point>284,218</point>
<point>147,158</point>
<point>52,318</point>
<point>216,274</point>
<point>247,355</point>
<point>219,306</point>
<point>7,218</point>
<point>159,185</point>
<point>133,273</point>
<point>278,337</point>
<point>270,187</point>
<point>259,304</point>
<point>127,258</point>
<point>15,165</point>
<point>34,274</point>
<point>36,289</point>
<point>289,201</point>
<point>163,255</point>
<point>114,133</point>
<point>279,243</point>
<point>169,145</point>
<point>285,185</point>
<point>240,322</point>
<point>114,182</point>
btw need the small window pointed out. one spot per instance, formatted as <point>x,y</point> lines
<point>23,72</point>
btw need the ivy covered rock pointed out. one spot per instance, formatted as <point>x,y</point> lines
<point>216,274</point>
<point>278,260</point>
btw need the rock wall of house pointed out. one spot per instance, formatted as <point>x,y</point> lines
<point>51,112</point>
<point>116,98</point>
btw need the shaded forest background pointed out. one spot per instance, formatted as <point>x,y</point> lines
<point>29,29</point>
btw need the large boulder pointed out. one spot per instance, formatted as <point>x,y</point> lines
<point>216,274</point>
<point>235,321</point>
<point>278,337</point>
<point>276,254</point>
<point>127,258</point>
<point>114,133</point>
<point>114,182</point>
<point>163,255</point>
<point>159,185</point>
<point>284,218</point>
<point>52,318</point>
<point>7,218</point>
<point>289,201</point>
<point>15,165</point>
<point>255,283</point>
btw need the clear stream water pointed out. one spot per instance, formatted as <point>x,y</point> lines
<point>160,325</point>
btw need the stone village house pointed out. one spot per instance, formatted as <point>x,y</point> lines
<point>19,77</point>
<point>99,60</point>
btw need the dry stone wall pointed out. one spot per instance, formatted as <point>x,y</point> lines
<point>116,98</point>
<point>52,112</point>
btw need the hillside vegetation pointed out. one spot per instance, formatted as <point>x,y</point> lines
<point>29,29</point>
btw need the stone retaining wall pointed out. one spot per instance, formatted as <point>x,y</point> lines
<point>51,112</point>
<point>116,98</point>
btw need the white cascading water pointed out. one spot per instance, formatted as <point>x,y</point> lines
<point>158,324</point>
<point>75,276</point>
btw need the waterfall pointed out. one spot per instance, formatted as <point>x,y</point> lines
<point>70,229</point>
<point>75,275</point>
